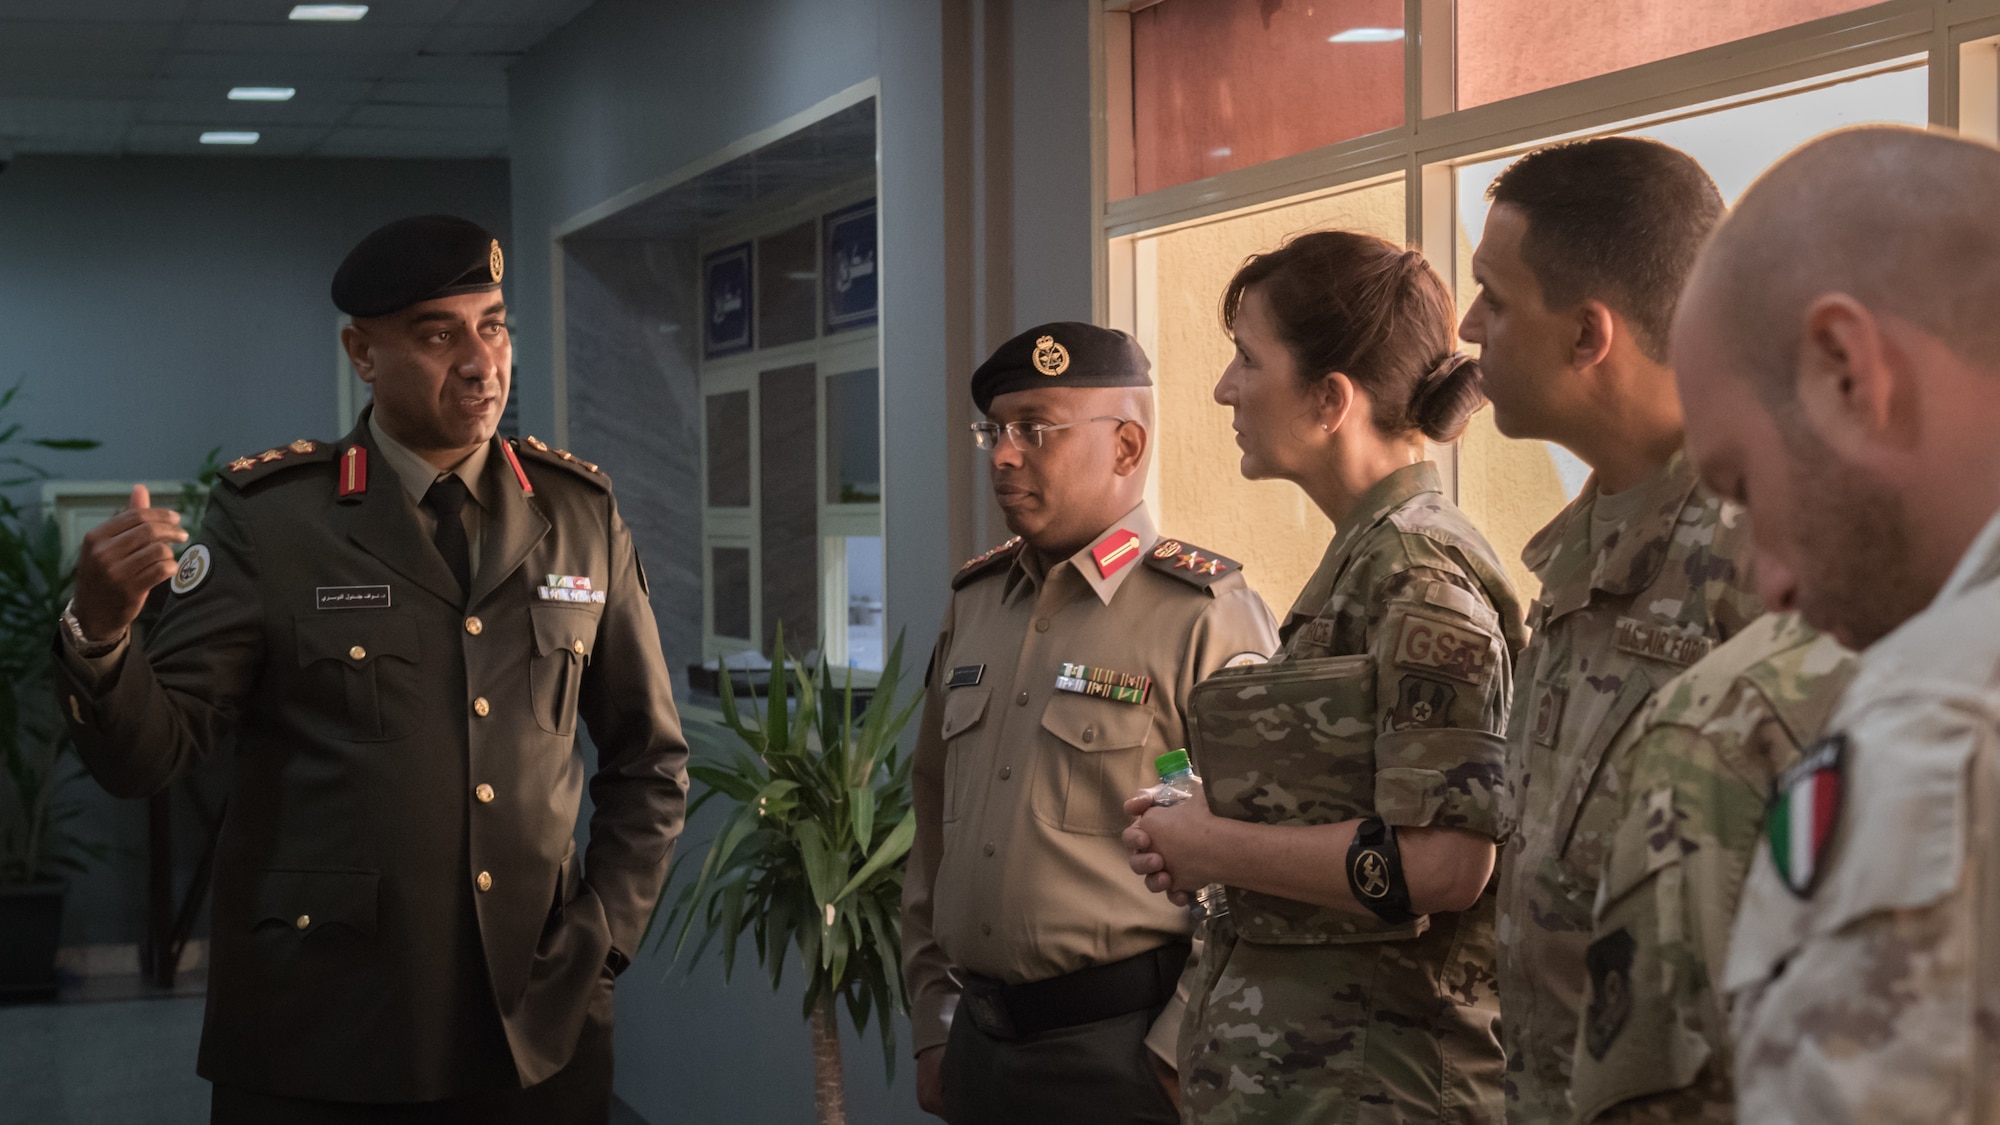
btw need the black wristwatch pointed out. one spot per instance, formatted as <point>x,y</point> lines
<point>1375,872</point>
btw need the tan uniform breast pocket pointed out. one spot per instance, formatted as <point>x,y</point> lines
<point>1098,760</point>
<point>564,637</point>
<point>964,710</point>
<point>1642,1002</point>
<point>360,671</point>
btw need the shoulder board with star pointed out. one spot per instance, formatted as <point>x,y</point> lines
<point>250,468</point>
<point>1196,566</point>
<point>534,450</point>
<point>992,560</point>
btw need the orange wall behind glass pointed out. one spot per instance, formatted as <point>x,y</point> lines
<point>1223,84</point>
<point>1512,47</point>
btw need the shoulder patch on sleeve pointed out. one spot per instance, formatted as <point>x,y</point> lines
<point>250,468</point>
<point>534,450</point>
<point>993,559</point>
<point>1191,564</point>
<point>1453,648</point>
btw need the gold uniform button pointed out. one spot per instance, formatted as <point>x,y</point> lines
<point>481,708</point>
<point>484,793</point>
<point>1021,700</point>
<point>474,626</point>
<point>358,653</point>
<point>577,646</point>
<point>304,920</point>
<point>1006,772</point>
<point>484,882</point>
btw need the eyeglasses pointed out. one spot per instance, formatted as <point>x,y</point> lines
<point>1027,435</point>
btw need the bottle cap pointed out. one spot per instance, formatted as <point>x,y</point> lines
<point>1172,762</point>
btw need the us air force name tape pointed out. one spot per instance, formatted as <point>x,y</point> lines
<point>1061,354</point>
<point>414,260</point>
<point>1375,872</point>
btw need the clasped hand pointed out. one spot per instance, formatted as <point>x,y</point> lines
<point>1173,846</point>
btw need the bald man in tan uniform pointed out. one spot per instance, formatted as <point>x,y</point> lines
<point>1840,360</point>
<point>1036,961</point>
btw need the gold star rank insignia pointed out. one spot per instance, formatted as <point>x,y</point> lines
<point>271,455</point>
<point>302,446</point>
<point>242,464</point>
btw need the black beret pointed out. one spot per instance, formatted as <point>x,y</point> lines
<point>417,259</point>
<point>1062,354</point>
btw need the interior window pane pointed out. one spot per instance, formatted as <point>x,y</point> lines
<point>864,601</point>
<point>1223,84</point>
<point>788,516</point>
<point>729,450</point>
<point>729,570</point>
<point>1269,525</point>
<point>1511,47</point>
<point>1512,488</point>
<point>853,439</point>
<point>788,285</point>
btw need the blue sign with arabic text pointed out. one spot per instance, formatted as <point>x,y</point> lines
<point>850,284</point>
<point>726,300</point>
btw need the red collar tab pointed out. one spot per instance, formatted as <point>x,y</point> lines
<point>353,471</point>
<point>1115,552</point>
<point>507,447</point>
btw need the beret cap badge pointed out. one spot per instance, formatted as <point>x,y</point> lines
<point>1051,358</point>
<point>496,261</point>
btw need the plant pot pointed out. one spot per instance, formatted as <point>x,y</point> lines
<point>30,927</point>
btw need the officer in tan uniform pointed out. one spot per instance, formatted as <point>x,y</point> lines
<point>1837,354</point>
<point>1655,1043</point>
<point>1036,963</point>
<point>1582,261</point>
<point>401,628</point>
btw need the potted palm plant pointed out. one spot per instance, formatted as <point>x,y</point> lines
<point>810,858</point>
<point>37,841</point>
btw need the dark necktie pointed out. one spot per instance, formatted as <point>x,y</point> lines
<point>446,500</point>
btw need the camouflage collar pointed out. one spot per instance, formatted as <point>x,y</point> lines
<point>1372,507</point>
<point>1561,554</point>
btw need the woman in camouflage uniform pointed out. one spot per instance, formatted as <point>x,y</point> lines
<point>1352,981</point>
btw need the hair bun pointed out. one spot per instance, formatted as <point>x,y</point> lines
<point>1447,397</point>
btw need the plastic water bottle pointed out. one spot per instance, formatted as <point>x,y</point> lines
<point>1177,782</point>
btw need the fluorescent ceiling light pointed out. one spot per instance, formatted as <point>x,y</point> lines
<point>225,137</point>
<point>1359,35</point>
<point>261,93</point>
<point>347,12</point>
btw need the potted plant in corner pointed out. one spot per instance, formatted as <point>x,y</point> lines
<point>811,857</point>
<point>36,843</point>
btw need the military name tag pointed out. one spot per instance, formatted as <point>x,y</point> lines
<point>1104,683</point>
<point>351,597</point>
<point>966,675</point>
<point>1659,643</point>
<point>1458,652</point>
<point>569,588</point>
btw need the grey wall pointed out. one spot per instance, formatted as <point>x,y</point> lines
<point>985,229</point>
<point>168,305</point>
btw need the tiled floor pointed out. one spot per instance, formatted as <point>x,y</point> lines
<point>108,1055</point>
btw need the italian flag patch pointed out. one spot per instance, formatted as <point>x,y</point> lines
<point>1803,812</point>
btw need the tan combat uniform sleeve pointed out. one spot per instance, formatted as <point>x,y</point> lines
<point>1872,998</point>
<point>1238,624</point>
<point>926,972</point>
<point>1442,691</point>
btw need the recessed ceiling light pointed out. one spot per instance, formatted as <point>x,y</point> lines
<point>225,137</point>
<point>261,93</point>
<point>346,12</point>
<point>1364,35</point>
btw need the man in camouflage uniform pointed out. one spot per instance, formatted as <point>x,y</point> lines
<point>1581,264</point>
<point>1837,358</point>
<point>1654,1046</point>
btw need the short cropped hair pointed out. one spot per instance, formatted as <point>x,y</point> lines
<point>1616,219</point>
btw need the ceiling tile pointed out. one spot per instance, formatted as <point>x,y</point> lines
<point>83,41</point>
<point>410,142</point>
<point>550,14</point>
<point>450,68</point>
<point>486,91</point>
<point>487,39</point>
<point>278,70</point>
<point>304,39</point>
<point>24,117</point>
<point>476,118</point>
<point>108,11</point>
<point>380,13</point>
<point>218,114</point>
<point>72,84</point>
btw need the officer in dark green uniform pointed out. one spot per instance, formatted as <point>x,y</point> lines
<point>402,628</point>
